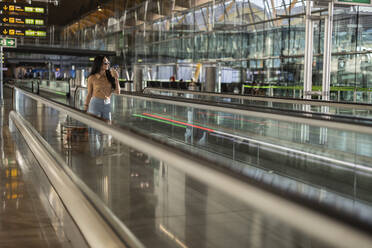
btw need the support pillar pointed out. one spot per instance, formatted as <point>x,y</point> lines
<point>243,75</point>
<point>127,85</point>
<point>175,71</point>
<point>137,80</point>
<point>210,79</point>
<point>327,53</point>
<point>243,79</point>
<point>219,77</point>
<point>50,71</point>
<point>308,60</point>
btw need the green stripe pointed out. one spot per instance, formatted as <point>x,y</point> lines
<point>60,93</point>
<point>163,121</point>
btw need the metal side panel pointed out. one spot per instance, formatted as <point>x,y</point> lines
<point>61,220</point>
<point>91,225</point>
<point>302,218</point>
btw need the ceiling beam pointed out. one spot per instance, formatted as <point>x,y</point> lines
<point>58,51</point>
<point>183,3</point>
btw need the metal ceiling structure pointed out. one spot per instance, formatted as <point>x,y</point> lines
<point>134,12</point>
<point>137,12</point>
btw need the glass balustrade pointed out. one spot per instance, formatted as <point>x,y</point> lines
<point>160,204</point>
<point>325,159</point>
<point>53,86</point>
<point>349,110</point>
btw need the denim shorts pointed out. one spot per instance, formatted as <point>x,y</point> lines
<point>100,107</point>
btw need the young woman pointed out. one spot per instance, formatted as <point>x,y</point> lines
<point>102,82</point>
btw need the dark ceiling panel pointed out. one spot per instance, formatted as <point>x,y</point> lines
<point>70,10</point>
<point>58,51</point>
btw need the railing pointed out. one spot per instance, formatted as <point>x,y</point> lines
<point>355,93</point>
<point>352,105</point>
<point>98,231</point>
<point>100,228</point>
<point>32,84</point>
<point>51,86</point>
<point>318,159</point>
<point>238,131</point>
<point>278,117</point>
<point>201,170</point>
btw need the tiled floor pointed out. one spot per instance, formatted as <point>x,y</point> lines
<point>23,220</point>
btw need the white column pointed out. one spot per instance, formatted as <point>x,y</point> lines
<point>327,53</point>
<point>308,60</point>
<point>219,72</point>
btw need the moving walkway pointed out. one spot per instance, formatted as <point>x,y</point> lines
<point>57,87</point>
<point>289,105</point>
<point>217,154</point>
<point>312,153</point>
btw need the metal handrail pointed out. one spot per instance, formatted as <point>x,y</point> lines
<point>38,82</point>
<point>317,225</point>
<point>286,118</point>
<point>344,164</point>
<point>360,120</point>
<point>95,230</point>
<point>271,99</point>
<point>244,112</point>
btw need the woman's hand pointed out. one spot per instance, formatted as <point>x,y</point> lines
<point>114,73</point>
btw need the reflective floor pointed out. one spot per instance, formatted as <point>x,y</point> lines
<point>162,206</point>
<point>24,221</point>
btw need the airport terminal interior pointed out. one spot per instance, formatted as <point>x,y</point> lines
<point>186,123</point>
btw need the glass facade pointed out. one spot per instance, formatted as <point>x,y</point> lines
<point>259,43</point>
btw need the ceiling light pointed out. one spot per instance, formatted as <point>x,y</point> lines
<point>99,8</point>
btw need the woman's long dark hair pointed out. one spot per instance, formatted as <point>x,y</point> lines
<point>96,68</point>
